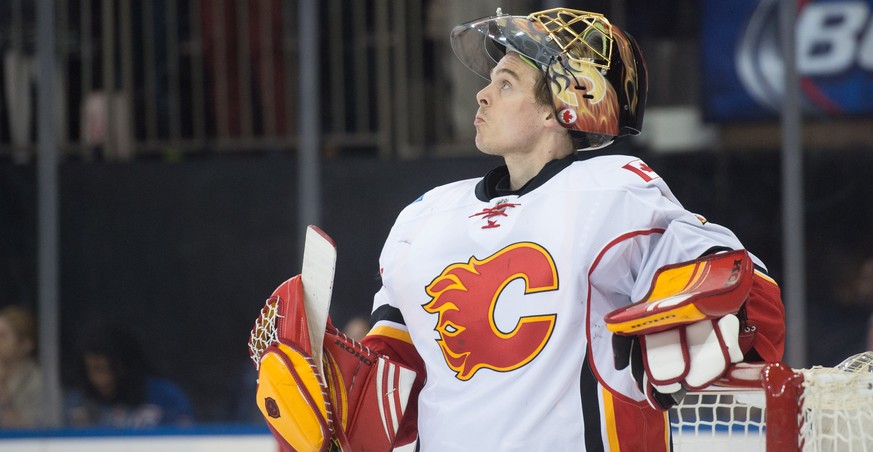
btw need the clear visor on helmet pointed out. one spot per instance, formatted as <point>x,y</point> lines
<point>480,44</point>
<point>543,37</point>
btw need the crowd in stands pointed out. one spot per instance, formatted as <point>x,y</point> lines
<point>113,384</point>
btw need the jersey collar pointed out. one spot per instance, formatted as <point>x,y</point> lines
<point>496,182</point>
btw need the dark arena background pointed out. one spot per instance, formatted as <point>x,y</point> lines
<point>185,254</point>
<point>179,192</point>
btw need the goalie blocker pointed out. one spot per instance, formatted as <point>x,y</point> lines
<point>686,332</point>
<point>358,404</point>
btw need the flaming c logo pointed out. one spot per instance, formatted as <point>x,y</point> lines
<point>465,297</point>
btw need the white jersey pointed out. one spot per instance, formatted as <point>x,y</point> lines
<point>504,300</point>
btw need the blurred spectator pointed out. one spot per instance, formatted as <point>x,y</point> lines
<point>255,42</point>
<point>117,388</point>
<point>20,377</point>
<point>857,294</point>
<point>840,320</point>
<point>864,294</point>
<point>242,389</point>
<point>870,333</point>
<point>357,327</point>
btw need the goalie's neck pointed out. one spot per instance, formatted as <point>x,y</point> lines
<point>496,182</point>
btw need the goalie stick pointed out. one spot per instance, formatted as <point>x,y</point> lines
<point>317,274</point>
<point>361,399</point>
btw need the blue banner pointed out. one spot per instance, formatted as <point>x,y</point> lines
<point>743,64</point>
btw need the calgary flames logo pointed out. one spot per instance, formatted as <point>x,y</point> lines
<point>465,297</point>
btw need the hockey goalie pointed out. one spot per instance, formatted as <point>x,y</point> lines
<point>561,302</point>
<point>321,392</point>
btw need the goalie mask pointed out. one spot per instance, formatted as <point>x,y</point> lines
<point>595,71</point>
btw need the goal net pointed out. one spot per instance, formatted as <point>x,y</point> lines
<point>772,407</point>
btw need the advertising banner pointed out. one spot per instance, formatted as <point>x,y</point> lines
<point>743,60</point>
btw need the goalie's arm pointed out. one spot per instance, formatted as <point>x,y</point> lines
<point>697,319</point>
<point>762,335</point>
<point>389,336</point>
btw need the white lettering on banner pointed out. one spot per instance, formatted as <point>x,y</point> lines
<point>865,52</point>
<point>829,38</point>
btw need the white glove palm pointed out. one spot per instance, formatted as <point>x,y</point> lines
<point>691,356</point>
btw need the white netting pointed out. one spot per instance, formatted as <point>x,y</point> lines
<point>719,419</point>
<point>837,406</point>
<point>264,332</point>
<point>835,413</point>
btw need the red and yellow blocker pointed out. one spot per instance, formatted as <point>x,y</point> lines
<point>706,288</point>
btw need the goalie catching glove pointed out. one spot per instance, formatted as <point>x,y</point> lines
<point>685,333</point>
<point>359,402</point>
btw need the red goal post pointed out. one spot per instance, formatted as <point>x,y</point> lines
<point>772,407</point>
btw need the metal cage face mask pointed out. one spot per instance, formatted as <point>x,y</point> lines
<point>596,72</point>
<point>584,38</point>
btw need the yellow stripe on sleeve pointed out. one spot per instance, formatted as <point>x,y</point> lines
<point>394,333</point>
<point>765,277</point>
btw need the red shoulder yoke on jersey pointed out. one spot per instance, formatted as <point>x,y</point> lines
<point>706,288</point>
<point>360,402</point>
